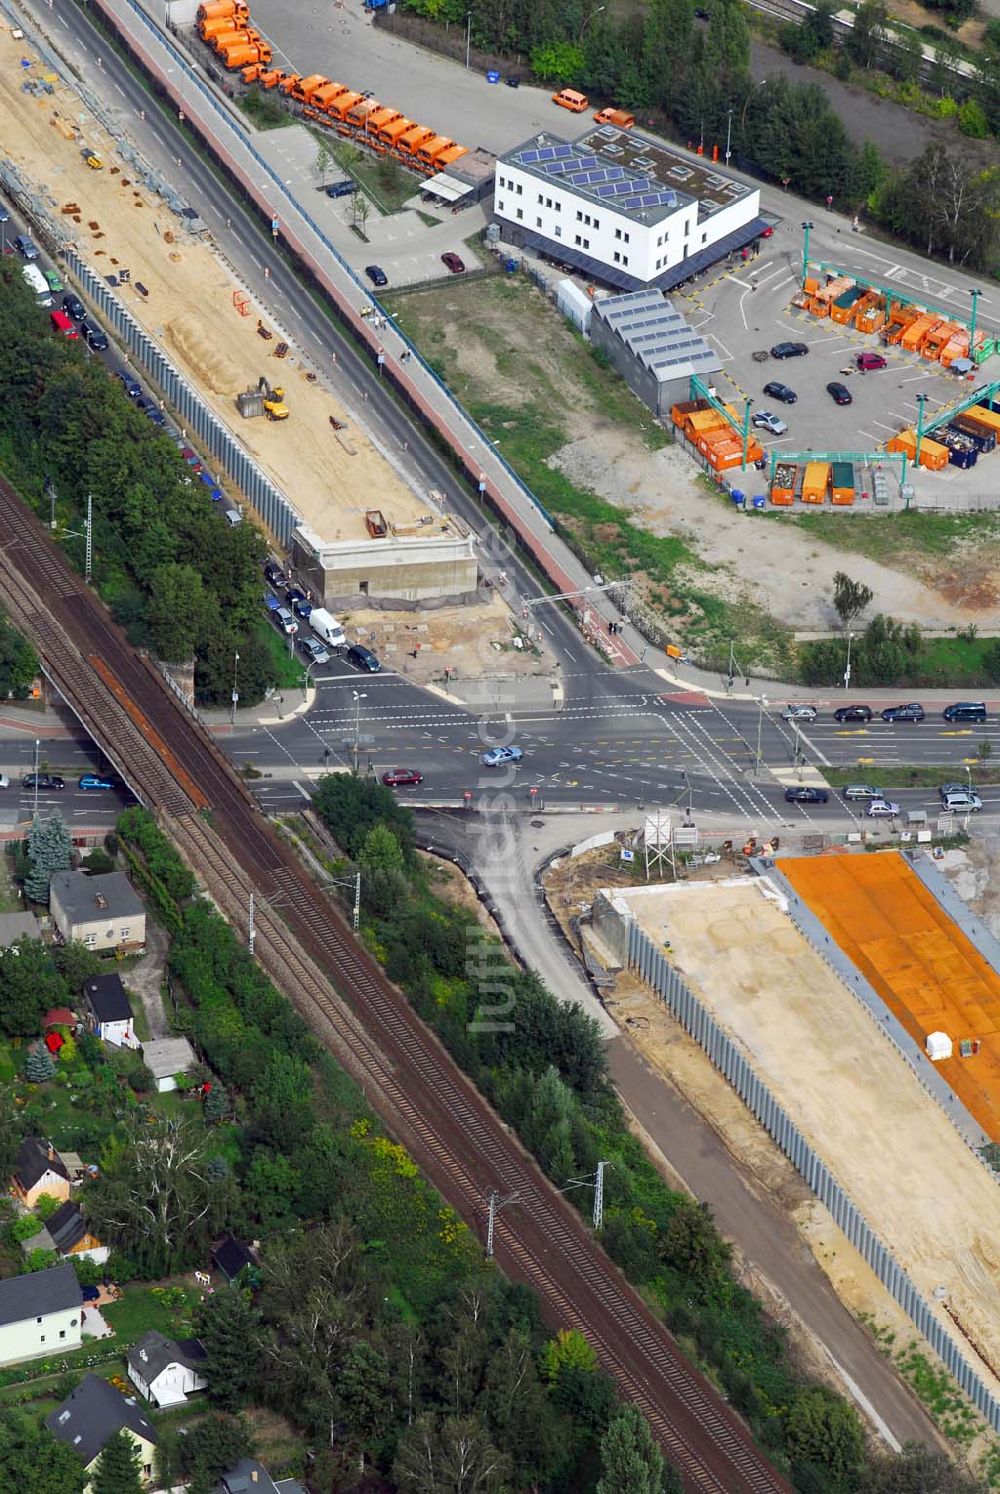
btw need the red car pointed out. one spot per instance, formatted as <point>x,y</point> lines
<point>454,263</point>
<point>868,362</point>
<point>402,778</point>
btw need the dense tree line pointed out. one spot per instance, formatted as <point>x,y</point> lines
<point>694,80</point>
<point>178,578</point>
<point>375,1325</point>
<point>542,1064</point>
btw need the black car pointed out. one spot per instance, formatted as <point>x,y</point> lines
<point>774,390</point>
<point>910,712</point>
<point>839,393</point>
<point>513,81</point>
<point>804,794</point>
<point>97,340</point>
<point>42,781</point>
<point>129,383</point>
<point>376,275</point>
<point>853,713</point>
<point>74,307</point>
<point>342,189</point>
<point>294,594</point>
<point>363,658</point>
<point>275,575</point>
<point>789,350</point>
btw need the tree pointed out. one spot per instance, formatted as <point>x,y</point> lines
<point>864,44</point>
<point>381,851</point>
<point>919,1470</point>
<point>10,1130</point>
<point>228,1326</point>
<point>29,985</point>
<point>75,962</point>
<point>33,1462</point>
<point>324,160</point>
<point>850,598</point>
<point>450,1456</point>
<point>727,45</point>
<point>823,1430</point>
<point>568,1350</point>
<point>631,1462</point>
<point>153,1199</point>
<point>120,1468</point>
<point>364,1384</point>
<point>216,1104</point>
<point>181,613</point>
<point>212,1445</point>
<point>350,807</point>
<point>693,1247</point>
<point>97,862</point>
<point>39,1066</point>
<point>18,662</point>
<point>49,850</point>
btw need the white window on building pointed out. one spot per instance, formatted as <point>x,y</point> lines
<point>558,232</point>
<point>126,933</point>
<point>538,222</point>
<point>520,189</point>
<point>499,207</point>
<point>519,213</point>
<point>687,228</point>
<point>558,206</point>
<point>624,259</point>
<point>618,233</point>
<point>626,238</point>
<point>90,940</point>
<point>577,240</point>
<point>618,257</point>
<point>704,238</point>
<point>579,216</point>
<point>586,243</point>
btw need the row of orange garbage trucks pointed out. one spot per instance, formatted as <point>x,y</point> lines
<point>225,26</point>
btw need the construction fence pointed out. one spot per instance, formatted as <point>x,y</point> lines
<point>652,966</point>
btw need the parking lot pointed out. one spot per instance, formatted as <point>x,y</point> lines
<point>739,320</point>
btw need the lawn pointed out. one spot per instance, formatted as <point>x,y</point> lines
<point>141,1308</point>
<point>534,386</point>
<point>264,112</point>
<point>387,184</point>
<point>890,538</point>
<point>911,775</point>
<point>288,669</point>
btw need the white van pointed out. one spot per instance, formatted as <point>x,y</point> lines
<point>326,626</point>
<point>35,281</point>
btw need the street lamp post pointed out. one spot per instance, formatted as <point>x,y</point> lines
<point>588,18</point>
<point>746,428</point>
<point>743,116</point>
<point>761,707</point>
<point>921,403</point>
<point>359,696</point>
<point>847,671</point>
<point>806,229</point>
<point>468,36</point>
<point>35,808</point>
<point>975,294</point>
<point>729,132</point>
<point>234,699</point>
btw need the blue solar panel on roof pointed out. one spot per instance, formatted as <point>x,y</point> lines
<point>528,155</point>
<point>606,191</point>
<point>562,151</point>
<point>548,154</point>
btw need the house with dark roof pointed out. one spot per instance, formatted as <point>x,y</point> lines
<point>66,1232</point>
<point>108,1011</point>
<point>231,1256</point>
<point>166,1370</point>
<point>250,1477</point>
<point>88,1419</point>
<point>39,1169</point>
<point>40,1313</point>
<point>101,912</point>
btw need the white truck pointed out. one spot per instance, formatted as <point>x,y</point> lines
<point>326,626</point>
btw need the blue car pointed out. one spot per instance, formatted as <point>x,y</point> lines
<point>95,781</point>
<point>131,385</point>
<point>497,756</point>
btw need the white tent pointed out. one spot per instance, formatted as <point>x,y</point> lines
<point>938,1046</point>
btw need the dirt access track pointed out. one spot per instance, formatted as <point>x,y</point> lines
<point>330,477</point>
<point>858,1105</point>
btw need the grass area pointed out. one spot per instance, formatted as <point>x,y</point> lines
<point>388,184</point>
<point>7,1065</point>
<point>10,901</point>
<point>287,668</point>
<point>534,385</point>
<point>958,661</point>
<point>911,775</point>
<point>141,1308</point>
<point>263,111</point>
<point>889,537</point>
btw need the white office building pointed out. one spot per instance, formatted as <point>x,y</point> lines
<point>621,208</point>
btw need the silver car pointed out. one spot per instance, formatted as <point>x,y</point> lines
<point>860,791</point>
<point>799,713</point>
<point>314,651</point>
<point>286,622</point>
<point>766,421</point>
<point>883,809</point>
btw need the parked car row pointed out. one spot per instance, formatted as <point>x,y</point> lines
<point>54,783</point>
<point>838,392</point>
<point>961,710</point>
<point>288,605</point>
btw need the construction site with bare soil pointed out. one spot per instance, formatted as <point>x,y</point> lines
<point>359,517</point>
<point>841,1081</point>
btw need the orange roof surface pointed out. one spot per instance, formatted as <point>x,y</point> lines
<point>925,969</point>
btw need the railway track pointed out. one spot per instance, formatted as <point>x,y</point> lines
<point>458,1142</point>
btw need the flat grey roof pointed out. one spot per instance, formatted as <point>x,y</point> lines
<point>657,335</point>
<point>627,173</point>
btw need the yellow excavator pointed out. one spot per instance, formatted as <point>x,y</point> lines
<point>274,401</point>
